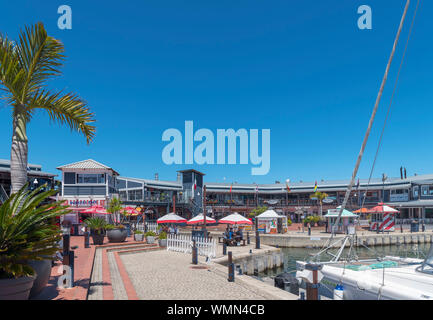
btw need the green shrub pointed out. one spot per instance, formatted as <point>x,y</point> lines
<point>27,231</point>
<point>289,222</point>
<point>150,234</point>
<point>96,224</point>
<point>162,235</point>
<point>114,226</point>
<point>138,232</point>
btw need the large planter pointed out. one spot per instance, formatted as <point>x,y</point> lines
<point>150,239</point>
<point>16,289</point>
<point>43,272</point>
<point>162,242</point>
<point>117,235</point>
<point>98,239</point>
<point>138,236</point>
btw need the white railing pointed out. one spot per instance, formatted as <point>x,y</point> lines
<point>183,243</point>
<point>152,226</point>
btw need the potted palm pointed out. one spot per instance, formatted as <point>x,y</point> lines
<point>150,237</point>
<point>138,235</point>
<point>28,235</point>
<point>162,239</point>
<point>116,232</point>
<point>97,229</point>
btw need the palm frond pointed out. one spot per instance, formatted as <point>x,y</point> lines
<point>66,108</point>
<point>40,57</point>
<point>12,76</point>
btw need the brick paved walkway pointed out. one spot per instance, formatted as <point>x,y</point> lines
<point>168,275</point>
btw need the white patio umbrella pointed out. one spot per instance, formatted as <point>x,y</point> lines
<point>199,219</point>
<point>235,218</point>
<point>269,214</point>
<point>171,218</point>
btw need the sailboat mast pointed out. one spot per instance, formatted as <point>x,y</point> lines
<point>370,123</point>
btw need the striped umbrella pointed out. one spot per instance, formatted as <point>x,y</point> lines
<point>199,219</point>
<point>171,218</point>
<point>235,218</point>
<point>382,208</point>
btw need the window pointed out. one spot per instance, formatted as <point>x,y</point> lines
<point>424,190</point>
<point>399,191</point>
<point>69,177</point>
<point>91,178</point>
<point>415,192</point>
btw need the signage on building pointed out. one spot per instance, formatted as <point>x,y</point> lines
<point>85,202</point>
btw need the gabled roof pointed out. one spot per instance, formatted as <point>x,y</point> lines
<point>87,164</point>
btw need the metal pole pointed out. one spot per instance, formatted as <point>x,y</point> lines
<point>257,234</point>
<point>204,212</point>
<point>194,253</point>
<point>86,239</point>
<point>231,268</point>
<point>373,114</point>
<point>224,247</point>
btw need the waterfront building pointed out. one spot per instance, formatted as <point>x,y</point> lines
<point>35,177</point>
<point>157,197</point>
<point>87,183</point>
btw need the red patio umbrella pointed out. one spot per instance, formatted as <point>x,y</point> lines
<point>96,209</point>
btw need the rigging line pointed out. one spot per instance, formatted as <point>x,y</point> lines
<point>391,100</point>
<point>370,123</point>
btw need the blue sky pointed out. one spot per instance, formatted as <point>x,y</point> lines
<point>302,69</point>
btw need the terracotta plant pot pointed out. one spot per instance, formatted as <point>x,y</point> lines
<point>43,272</point>
<point>117,235</point>
<point>16,289</point>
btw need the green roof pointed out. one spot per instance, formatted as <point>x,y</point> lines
<point>334,213</point>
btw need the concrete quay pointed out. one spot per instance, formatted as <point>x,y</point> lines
<point>318,240</point>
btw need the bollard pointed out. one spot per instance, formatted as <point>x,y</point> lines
<point>248,238</point>
<point>224,248</point>
<point>71,265</point>
<point>66,243</point>
<point>194,253</point>
<point>257,239</point>
<point>231,268</point>
<point>401,228</point>
<point>309,230</point>
<point>313,288</point>
<point>239,270</point>
<point>86,239</point>
<point>423,227</point>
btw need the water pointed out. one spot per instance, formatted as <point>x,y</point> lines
<point>291,255</point>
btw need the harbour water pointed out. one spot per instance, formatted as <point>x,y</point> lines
<point>291,255</point>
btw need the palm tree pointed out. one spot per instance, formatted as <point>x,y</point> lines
<point>319,196</point>
<point>25,67</point>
